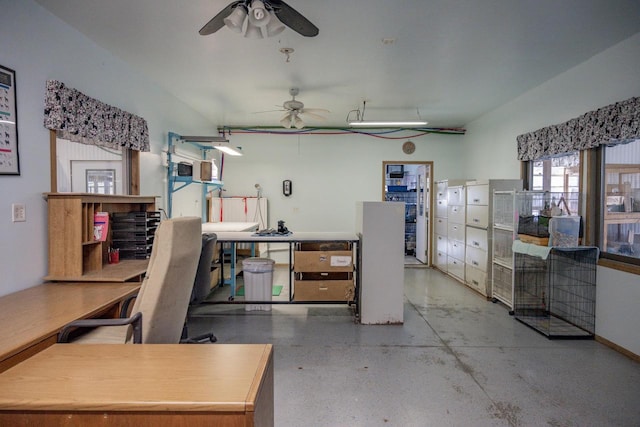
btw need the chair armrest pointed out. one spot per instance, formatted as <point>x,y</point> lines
<point>124,310</point>
<point>135,321</point>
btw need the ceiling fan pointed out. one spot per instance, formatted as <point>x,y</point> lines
<point>266,16</point>
<point>295,111</point>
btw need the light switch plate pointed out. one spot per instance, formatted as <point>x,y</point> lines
<point>18,212</point>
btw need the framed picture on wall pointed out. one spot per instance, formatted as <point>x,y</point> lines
<point>9,162</point>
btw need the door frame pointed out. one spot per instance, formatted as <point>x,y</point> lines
<point>430,168</point>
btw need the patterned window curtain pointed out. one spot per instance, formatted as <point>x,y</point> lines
<point>617,123</point>
<point>80,118</point>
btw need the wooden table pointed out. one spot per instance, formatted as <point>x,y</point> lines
<point>31,319</point>
<point>141,385</point>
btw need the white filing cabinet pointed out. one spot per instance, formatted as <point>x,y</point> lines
<point>479,230</point>
<point>456,231</point>
<point>440,227</point>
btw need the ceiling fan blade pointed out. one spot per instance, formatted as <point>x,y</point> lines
<point>217,21</point>
<point>313,115</point>
<point>268,111</point>
<point>293,19</point>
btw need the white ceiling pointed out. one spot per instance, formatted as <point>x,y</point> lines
<point>452,60</point>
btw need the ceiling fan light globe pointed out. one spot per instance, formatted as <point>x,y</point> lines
<point>286,122</point>
<point>298,123</point>
<point>235,20</point>
<point>274,27</point>
<point>258,15</point>
<point>253,32</point>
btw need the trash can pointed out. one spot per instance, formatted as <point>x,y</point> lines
<point>258,282</point>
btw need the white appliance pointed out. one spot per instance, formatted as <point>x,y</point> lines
<point>380,226</point>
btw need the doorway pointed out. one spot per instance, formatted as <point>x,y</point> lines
<point>411,183</point>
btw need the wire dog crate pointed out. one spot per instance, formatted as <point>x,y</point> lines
<point>557,296</point>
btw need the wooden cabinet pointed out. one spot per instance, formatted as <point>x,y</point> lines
<point>323,272</point>
<point>74,253</point>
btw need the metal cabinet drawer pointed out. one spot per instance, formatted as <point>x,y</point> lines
<point>478,216</point>
<point>442,243</point>
<point>455,231</point>
<point>477,238</point>
<point>456,214</point>
<point>478,194</point>
<point>476,279</point>
<point>455,267</point>
<point>440,226</point>
<point>441,208</point>
<point>456,195</point>
<point>456,249</point>
<point>476,258</point>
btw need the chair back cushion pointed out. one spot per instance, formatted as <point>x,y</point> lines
<point>202,284</point>
<point>166,289</point>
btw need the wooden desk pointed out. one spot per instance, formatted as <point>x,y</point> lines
<point>141,385</point>
<point>31,319</point>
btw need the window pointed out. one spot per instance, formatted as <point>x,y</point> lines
<point>620,202</point>
<point>559,175</point>
<point>81,168</point>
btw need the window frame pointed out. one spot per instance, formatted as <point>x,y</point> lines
<point>132,162</point>
<point>591,178</point>
<point>616,261</point>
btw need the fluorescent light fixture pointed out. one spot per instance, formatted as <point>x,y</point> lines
<point>218,142</point>
<point>228,149</point>
<point>364,123</point>
<point>9,122</point>
<point>204,139</point>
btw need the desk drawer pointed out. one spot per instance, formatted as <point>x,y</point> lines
<point>323,290</point>
<point>319,261</point>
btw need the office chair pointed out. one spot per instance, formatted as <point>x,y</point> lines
<point>163,300</point>
<point>202,287</point>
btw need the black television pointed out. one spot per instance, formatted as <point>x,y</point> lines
<point>395,171</point>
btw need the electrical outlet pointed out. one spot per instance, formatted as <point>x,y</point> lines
<point>18,212</point>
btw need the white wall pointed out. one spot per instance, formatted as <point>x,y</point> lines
<point>329,173</point>
<point>38,46</point>
<point>490,144</point>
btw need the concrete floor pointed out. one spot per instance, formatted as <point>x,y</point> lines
<point>458,360</point>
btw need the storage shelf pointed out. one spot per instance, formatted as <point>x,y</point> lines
<point>177,182</point>
<point>505,262</point>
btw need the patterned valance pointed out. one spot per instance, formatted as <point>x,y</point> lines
<point>80,118</point>
<point>615,123</point>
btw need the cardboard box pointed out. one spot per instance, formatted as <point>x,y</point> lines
<point>324,246</point>
<point>323,290</point>
<point>328,261</point>
<point>202,170</point>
